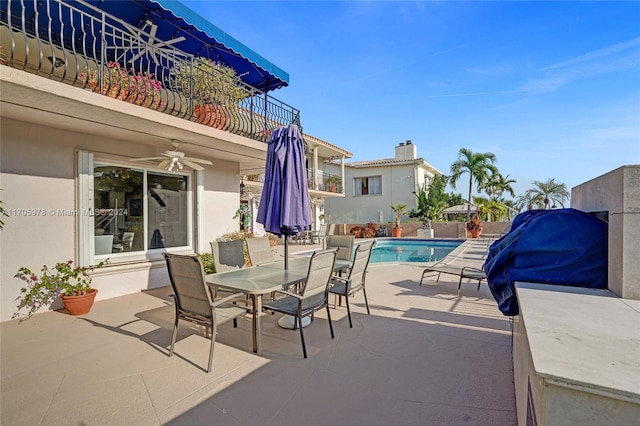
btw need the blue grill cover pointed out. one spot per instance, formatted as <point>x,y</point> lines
<point>560,247</point>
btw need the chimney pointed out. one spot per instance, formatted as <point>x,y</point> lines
<point>406,151</point>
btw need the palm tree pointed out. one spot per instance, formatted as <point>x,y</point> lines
<point>478,165</point>
<point>524,202</point>
<point>489,208</point>
<point>543,193</point>
<point>495,187</point>
<point>498,185</point>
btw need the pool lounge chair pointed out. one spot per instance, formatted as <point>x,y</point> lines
<point>459,271</point>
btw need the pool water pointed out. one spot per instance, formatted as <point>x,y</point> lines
<point>396,250</point>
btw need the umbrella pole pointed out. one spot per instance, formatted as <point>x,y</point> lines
<point>286,252</point>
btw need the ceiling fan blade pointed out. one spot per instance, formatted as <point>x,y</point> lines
<point>199,160</point>
<point>172,154</point>
<point>191,164</point>
<point>164,163</point>
<point>146,159</point>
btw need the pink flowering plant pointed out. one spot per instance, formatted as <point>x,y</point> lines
<point>63,278</point>
<point>137,88</point>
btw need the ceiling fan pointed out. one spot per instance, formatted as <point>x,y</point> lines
<point>174,160</point>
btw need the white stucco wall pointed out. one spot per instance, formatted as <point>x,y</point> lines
<point>38,171</point>
<point>398,183</point>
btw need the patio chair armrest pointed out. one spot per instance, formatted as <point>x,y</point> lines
<point>288,293</point>
<point>471,269</point>
<point>339,279</point>
<point>227,299</point>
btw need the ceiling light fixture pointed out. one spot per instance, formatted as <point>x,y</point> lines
<point>174,165</point>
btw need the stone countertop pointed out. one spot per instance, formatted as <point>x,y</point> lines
<point>586,339</point>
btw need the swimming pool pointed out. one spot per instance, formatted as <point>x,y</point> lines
<point>403,250</point>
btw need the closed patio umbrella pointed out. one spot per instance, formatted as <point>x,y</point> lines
<point>284,206</point>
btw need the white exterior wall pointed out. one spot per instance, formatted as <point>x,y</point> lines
<point>398,184</point>
<point>38,171</point>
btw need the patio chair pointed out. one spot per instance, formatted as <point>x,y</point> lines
<point>193,301</point>
<point>354,282</point>
<point>259,251</point>
<point>227,255</point>
<point>320,236</point>
<point>313,294</point>
<point>103,244</point>
<point>344,244</point>
<point>459,271</point>
<point>125,243</point>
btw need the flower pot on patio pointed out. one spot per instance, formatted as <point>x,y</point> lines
<point>72,284</point>
<point>79,305</point>
<point>396,232</point>
<point>475,233</point>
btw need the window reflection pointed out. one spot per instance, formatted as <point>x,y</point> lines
<point>121,211</point>
<point>168,215</point>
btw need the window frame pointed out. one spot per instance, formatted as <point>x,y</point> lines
<point>358,184</point>
<point>85,246</point>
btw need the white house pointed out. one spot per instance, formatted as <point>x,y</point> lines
<point>90,108</point>
<point>371,187</point>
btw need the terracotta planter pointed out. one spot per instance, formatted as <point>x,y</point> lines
<point>475,233</point>
<point>79,305</point>
<point>396,232</point>
<point>211,115</point>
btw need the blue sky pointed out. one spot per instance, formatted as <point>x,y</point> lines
<point>551,88</point>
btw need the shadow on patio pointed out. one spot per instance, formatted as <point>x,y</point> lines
<point>423,356</point>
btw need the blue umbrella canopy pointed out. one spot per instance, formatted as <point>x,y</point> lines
<point>284,206</point>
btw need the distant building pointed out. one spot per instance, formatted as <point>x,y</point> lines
<point>372,186</point>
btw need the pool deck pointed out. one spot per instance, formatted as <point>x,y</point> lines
<point>423,356</point>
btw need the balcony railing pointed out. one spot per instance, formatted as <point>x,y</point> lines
<point>88,48</point>
<point>326,182</point>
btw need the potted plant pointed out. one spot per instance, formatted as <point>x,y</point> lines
<point>398,210</point>
<point>423,212</point>
<point>474,226</point>
<point>214,88</point>
<point>332,182</point>
<point>137,88</point>
<point>71,284</point>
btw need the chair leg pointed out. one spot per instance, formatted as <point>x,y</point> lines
<point>346,298</point>
<point>173,338</point>
<point>366,302</point>
<point>459,284</point>
<point>304,347</point>
<point>214,331</point>
<point>330,323</point>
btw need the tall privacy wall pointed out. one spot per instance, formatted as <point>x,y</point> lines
<point>575,350</point>
<point>618,194</point>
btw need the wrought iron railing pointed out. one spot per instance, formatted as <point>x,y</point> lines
<point>88,48</point>
<point>325,181</point>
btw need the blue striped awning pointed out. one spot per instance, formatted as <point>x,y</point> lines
<point>201,38</point>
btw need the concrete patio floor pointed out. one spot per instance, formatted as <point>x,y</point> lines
<point>424,356</point>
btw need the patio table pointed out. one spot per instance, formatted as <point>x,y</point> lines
<point>264,279</point>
